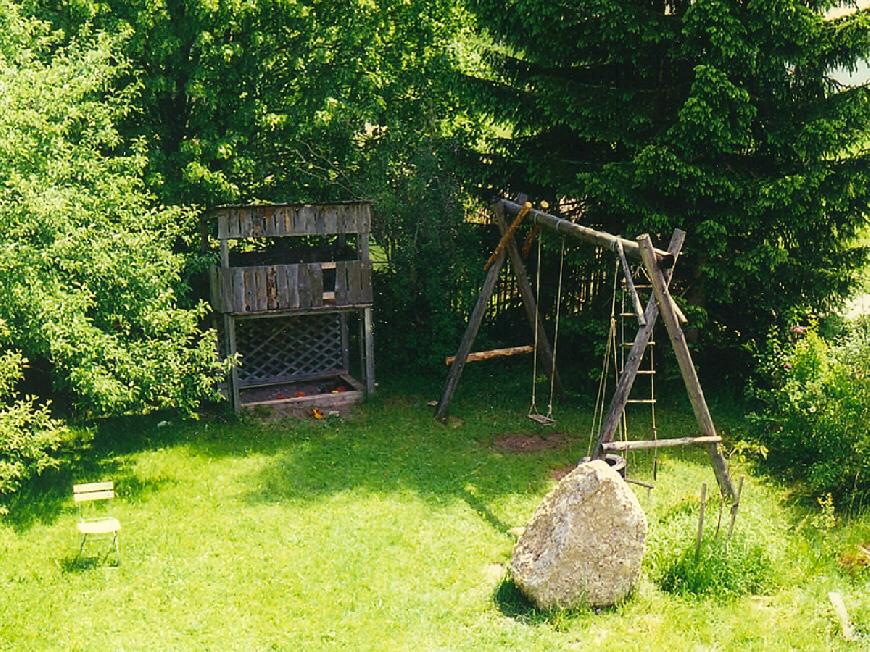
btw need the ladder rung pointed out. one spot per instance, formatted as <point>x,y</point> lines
<point>628,345</point>
<point>628,314</point>
<point>642,286</point>
<point>658,443</point>
<point>641,400</point>
<point>646,372</point>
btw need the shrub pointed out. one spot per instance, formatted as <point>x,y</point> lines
<point>815,414</point>
<point>723,568</point>
<point>88,274</point>
<point>30,440</point>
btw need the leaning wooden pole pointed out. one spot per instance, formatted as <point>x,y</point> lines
<point>585,233</point>
<point>687,368</point>
<point>468,338</point>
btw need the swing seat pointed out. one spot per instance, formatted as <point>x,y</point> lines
<point>542,419</point>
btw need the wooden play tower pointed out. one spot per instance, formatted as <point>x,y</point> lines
<point>290,279</point>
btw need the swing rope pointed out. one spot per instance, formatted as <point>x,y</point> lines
<point>609,353</point>
<point>533,408</point>
<point>534,414</point>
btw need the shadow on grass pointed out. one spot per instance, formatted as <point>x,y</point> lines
<point>82,564</point>
<point>510,601</point>
<point>44,499</point>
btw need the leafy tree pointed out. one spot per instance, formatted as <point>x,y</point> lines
<point>307,101</point>
<point>715,116</point>
<point>88,276</point>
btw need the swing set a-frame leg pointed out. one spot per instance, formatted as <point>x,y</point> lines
<point>633,359</point>
<point>530,305</point>
<point>687,368</point>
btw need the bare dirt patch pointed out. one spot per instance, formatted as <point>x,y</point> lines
<point>518,442</point>
<point>561,471</point>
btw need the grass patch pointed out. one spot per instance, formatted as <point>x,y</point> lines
<point>723,569</point>
<point>386,530</point>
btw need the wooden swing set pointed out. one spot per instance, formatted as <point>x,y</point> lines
<point>658,265</point>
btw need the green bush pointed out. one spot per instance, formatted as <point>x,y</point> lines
<point>30,440</point>
<point>815,414</point>
<point>722,568</point>
<point>89,276</point>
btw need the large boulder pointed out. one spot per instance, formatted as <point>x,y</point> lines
<point>585,542</point>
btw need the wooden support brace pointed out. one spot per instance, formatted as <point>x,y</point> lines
<point>687,368</point>
<point>658,443</point>
<point>492,354</point>
<point>629,283</point>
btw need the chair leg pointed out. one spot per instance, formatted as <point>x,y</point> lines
<point>82,546</point>
<point>116,543</point>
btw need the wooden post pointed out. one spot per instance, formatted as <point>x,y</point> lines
<point>345,343</point>
<point>545,351</point>
<point>701,520</point>
<point>687,368</point>
<point>468,338</point>
<point>370,351</point>
<point>230,334</point>
<point>634,358</point>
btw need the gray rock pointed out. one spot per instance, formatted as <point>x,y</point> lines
<point>585,542</point>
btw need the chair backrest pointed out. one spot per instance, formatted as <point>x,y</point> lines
<point>90,491</point>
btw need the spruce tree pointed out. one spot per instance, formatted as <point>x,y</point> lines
<point>716,116</point>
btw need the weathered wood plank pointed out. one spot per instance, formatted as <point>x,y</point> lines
<point>246,223</point>
<point>271,288</point>
<point>341,289</point>
<point>238,289</point>
<point>230,334</point>
<point>282,299</point>
<point>687,368</point>
<point>365,274</point>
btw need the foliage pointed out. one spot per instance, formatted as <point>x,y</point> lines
<point>814,416</point>
<point>30,440</point>
<point>88,275</point>
<point>724,569</point>
<point>716,117</point>
<point>312,101</point>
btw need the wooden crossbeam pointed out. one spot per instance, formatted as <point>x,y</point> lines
<point>492,354</point>
<point>586,234</point>
<point>658,443</point>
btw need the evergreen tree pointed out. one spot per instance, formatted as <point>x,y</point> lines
<point>716,116</point>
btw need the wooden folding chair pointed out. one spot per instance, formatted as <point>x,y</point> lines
<point>97,526</point>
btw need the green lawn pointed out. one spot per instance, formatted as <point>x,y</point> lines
<point>384,531</point>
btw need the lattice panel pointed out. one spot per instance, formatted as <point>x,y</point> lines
<point>284,349</point>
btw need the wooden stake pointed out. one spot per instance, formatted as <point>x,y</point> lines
<point>701,520</point>
<point>687,368</point>
<point>842,615</point>
<point>735,506</point>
